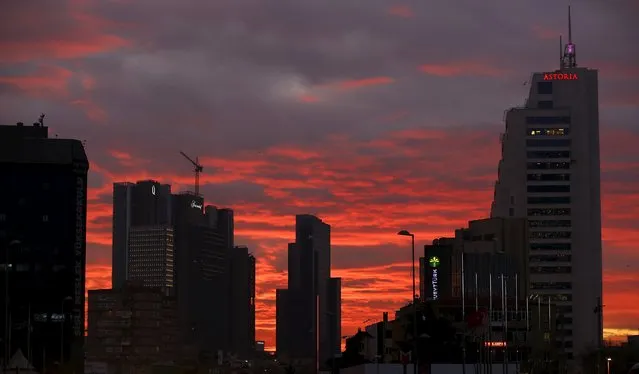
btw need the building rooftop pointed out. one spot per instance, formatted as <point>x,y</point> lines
<point>31,145</point>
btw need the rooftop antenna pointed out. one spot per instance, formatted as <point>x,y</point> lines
<point>561,52</point>
<point>41,120</point>
<point>569,58</point>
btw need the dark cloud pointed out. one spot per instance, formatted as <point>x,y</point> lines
<point>375,117</point>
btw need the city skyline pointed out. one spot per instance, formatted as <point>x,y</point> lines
<point>370,144</point>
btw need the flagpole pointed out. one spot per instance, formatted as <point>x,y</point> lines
<point>478,360</point>
<point>503,322</point>
<point>507,350</point>
<point>539,311</point>
<point>527,325</point>
<point>490,322</point>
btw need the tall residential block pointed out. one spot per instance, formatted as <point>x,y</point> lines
<point>43,215</point>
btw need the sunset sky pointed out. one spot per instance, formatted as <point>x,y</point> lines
<point>376,116</point>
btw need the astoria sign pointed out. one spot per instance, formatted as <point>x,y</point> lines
<point>560,77</point>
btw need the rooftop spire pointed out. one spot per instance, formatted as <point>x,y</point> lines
<point>569,58</point>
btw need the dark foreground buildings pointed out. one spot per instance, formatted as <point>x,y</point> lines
<point>43,196</point>
<point>309,311</point>
<point>177,243</point>
<point>132,325</point>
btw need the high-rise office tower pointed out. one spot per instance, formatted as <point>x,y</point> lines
<point>313,297</point>
<point>150,256</point>
<point>141,209</point>
<point>550,173</point>
<point>202,236</point>
<point>242,302</point>
<point>43,200</point>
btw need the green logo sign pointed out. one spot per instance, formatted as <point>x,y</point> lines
<point>434,261</point>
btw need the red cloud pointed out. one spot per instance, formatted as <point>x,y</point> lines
<point>408,184</point>
<point>45,81</point>
<point>403,11</point>
<point>71,31</point>
<point>366,82</point>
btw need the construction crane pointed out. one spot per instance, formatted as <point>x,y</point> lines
<point>198,168</point>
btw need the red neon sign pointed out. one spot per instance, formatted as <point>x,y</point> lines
<point>495,344</point>
<point>560,77</point>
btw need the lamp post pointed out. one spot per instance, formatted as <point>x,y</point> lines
<point>412,237</point>
<point>7,323</point>
<point>608,364</point>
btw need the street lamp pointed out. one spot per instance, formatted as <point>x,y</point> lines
<point>7,326</point>
<point>412,237</point>
<point>608,364</point>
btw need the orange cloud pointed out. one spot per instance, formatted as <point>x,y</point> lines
<point>403,11</point>
<point>308,98</point>
<point>60,49</point>
<point>461,69</point>
<point>91,109</point>
<point>366,82</point>
<point>367,191</point>
<point>65,34</point>
<point>45,81</point>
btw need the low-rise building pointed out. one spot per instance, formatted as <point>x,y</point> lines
<point>132,326</point>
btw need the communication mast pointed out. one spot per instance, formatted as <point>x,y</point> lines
<point>569,56</point>
<point>197,168</point>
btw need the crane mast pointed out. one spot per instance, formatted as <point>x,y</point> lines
<point>197,168</point>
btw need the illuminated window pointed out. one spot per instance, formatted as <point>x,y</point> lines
<point>548,132</point>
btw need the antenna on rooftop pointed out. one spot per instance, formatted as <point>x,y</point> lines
<point>569,57</point>
<point>41,119</point>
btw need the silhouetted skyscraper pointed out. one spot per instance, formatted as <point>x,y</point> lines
<point>202,238</point>
<point>313,297</point>
<point>142,209</point>
<point>550,173</point>
<point>242,302</point>
<point>43,200</point>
